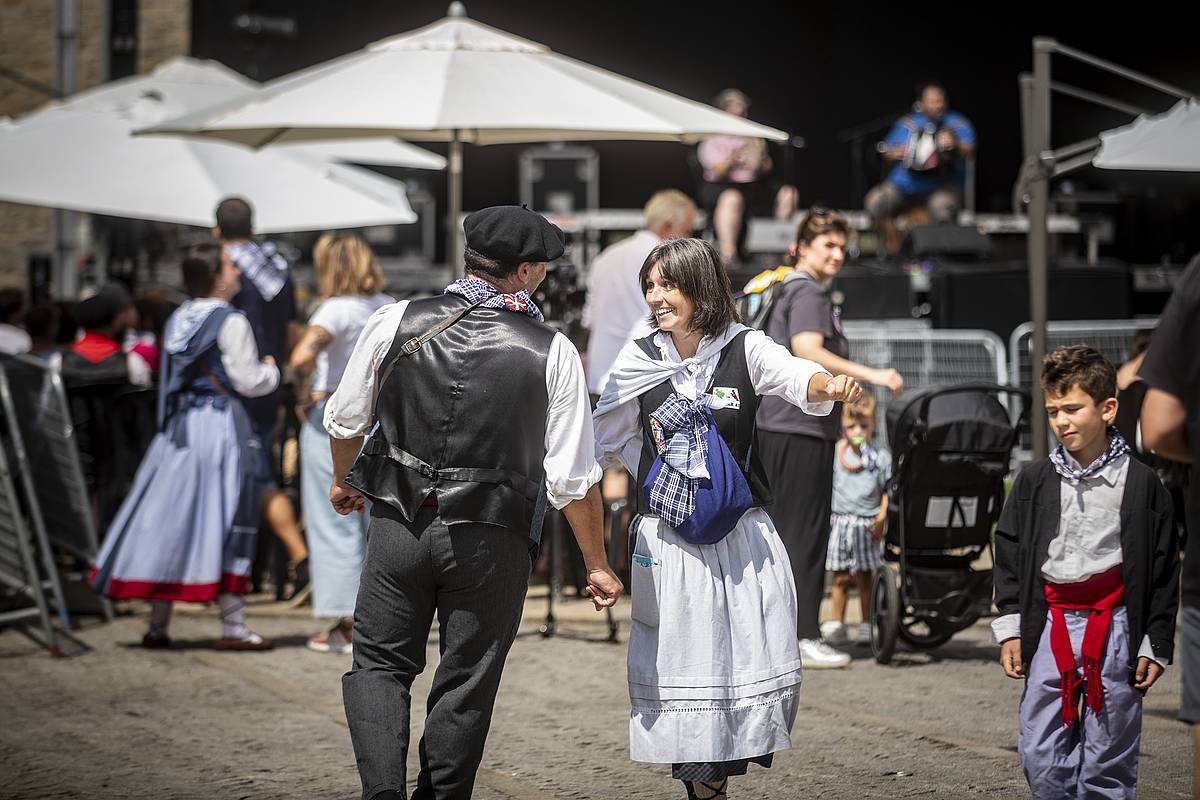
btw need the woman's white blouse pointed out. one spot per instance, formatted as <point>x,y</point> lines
<point>773,371</point>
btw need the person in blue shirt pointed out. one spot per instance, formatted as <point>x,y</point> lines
<point>929,150</point>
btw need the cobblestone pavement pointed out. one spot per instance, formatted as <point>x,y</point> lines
<point>122,722</point>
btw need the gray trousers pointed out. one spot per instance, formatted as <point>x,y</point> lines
<point>474,577</point>
<point>1097,757</point>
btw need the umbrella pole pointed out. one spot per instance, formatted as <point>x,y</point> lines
<point>454,201</point>
<point>1038,241</point>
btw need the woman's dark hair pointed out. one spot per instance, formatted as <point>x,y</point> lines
<point>695,267</point>
<point>1082,366</point>
<point>200,269</point>
<point>479,264</point>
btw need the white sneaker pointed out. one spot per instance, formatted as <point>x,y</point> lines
<point>864,633</point>
<point>833,632</point>
<point>815,654</point>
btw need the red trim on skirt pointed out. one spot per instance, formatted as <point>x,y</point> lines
<point>175,592</point>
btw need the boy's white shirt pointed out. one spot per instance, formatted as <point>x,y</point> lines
<point>1088,540</point>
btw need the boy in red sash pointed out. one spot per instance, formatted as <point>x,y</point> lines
<point>1087,581</point>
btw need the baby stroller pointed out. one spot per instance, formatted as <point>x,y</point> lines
<point>951,447</point>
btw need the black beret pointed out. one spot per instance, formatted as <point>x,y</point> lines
<point>513,233</point>
<point>102,308</point>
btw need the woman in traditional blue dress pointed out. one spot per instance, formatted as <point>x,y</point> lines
<point>714,663</point>
<point>186,530</point>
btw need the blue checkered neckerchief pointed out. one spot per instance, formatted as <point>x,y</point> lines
<point>1072,474</point>
<point>678,428</point>
<point>261,264</point>
<point>475,290</point>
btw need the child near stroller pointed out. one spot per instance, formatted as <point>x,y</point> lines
<point>856,527</point>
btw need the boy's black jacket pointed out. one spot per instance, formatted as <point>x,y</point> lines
<point>1149,549</point>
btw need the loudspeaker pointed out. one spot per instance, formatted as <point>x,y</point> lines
<point>957,242</point>
<point>995,296</point>
<point>873,290</point>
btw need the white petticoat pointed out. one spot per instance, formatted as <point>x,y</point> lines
<point>714,665</point>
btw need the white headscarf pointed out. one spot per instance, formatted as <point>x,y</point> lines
<point>636,373</point>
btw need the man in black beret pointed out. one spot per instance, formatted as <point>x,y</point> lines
<point>483,419</point>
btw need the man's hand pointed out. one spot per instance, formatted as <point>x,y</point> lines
<point>842,388</point>
<point>946,140</point>
<point>1010,658</point>
<point>346,499</point>
<point>603,587</point>
<point>1147,672</point>
<point>895,152</point>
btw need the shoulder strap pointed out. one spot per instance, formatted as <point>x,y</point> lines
<point>773,293</point>
<point>414,344</point>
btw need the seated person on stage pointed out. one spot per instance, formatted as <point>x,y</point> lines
<point>735,169</point>
<point>930,148</point>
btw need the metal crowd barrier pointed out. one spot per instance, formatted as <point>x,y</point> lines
<point>27,590</point>
<point>1113,338</point>
<point>35,404</point>
<point>926,357</point>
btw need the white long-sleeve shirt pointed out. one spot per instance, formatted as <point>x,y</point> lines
<point>773,371</point>
<point>235,339</point>
<point>570,461</point>
<point>1088,541</point>
<point>616,309</point>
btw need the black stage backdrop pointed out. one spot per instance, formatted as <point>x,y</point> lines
<point>813,70</point>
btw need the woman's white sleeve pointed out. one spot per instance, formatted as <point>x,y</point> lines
<point>239,356</point>
<point>775,371</point>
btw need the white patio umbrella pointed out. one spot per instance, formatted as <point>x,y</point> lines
<point>1167,142</point>
<point>459,81</point>
<point>79,155</point>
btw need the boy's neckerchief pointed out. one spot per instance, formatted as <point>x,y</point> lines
<point>1117,447</point>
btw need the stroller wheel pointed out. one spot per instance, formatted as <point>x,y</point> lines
<point>885,613</point>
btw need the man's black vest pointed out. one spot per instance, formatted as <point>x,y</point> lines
<point>736,426</point>
<point>463,418</point>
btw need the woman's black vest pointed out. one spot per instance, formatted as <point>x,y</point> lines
<point>463,418</point>
<point>737,426</point>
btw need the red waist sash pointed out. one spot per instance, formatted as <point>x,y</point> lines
<point>1099,594</point>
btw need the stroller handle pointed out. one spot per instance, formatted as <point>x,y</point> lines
<point>962,388</point>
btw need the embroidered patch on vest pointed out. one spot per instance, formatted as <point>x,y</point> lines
<point>725,397</point>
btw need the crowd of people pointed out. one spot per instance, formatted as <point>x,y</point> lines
<point>436,434</point>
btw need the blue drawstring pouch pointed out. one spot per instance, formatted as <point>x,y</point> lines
<point>719,501</point>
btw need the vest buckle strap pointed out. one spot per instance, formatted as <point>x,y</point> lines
<point>411,346</point>
<point>427,471</point>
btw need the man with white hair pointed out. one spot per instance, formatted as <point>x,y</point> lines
<point>616,309</point>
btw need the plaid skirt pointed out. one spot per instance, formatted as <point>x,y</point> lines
<point>851,548</point>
